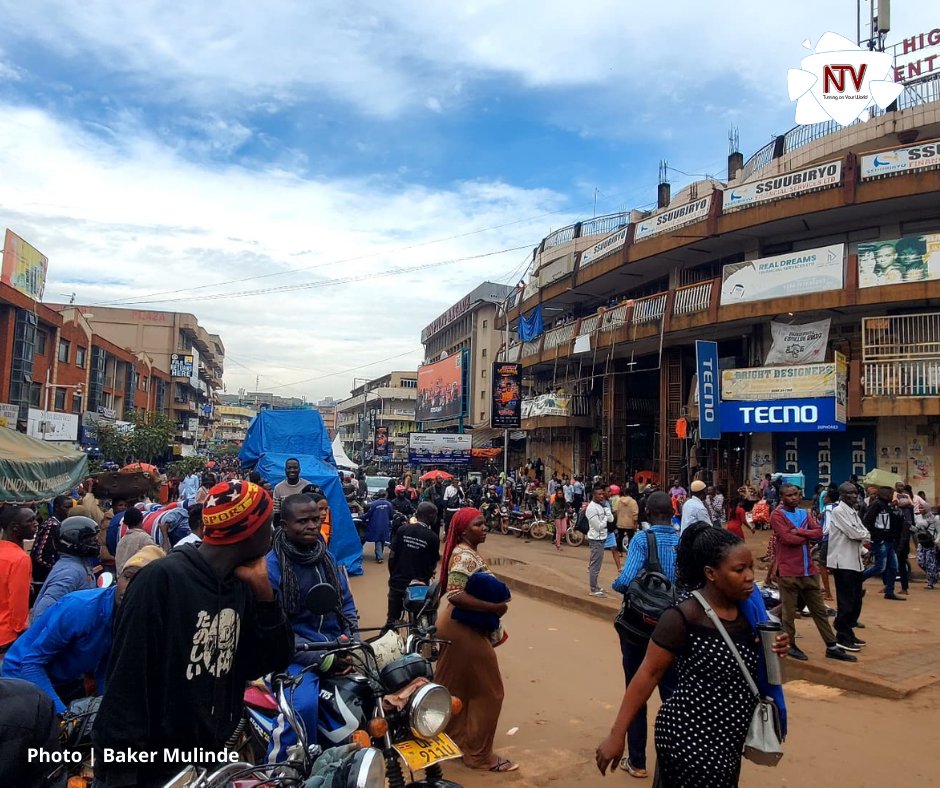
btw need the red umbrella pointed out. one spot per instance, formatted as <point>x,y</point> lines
<point>436,476</point>
<point>143,467</point>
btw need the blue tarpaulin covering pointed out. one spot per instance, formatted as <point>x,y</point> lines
<point>530,327</point>
<point>273,437</point>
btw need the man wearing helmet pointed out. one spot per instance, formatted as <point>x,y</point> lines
<point>75,569</point>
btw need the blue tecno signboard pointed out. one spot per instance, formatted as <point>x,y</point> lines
<point>706,366</point>
<point>784,415</point>
<point>827,458</point>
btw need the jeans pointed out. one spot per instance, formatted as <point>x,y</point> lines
<point>886,565</point>
<point>379,550</point>
<point>848,602</point>
<point>633,655</point>
<point>595,561</point>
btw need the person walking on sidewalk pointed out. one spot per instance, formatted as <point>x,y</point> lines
<point>885,523</point>
<point>795,531</point>
<point>632,649</point>
<point>599,516</point>
<point>694,510</point>
<point>847,535</point>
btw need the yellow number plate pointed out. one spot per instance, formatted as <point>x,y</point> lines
<point>421,753</point>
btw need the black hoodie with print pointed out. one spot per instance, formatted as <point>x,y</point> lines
<point>185,644</point>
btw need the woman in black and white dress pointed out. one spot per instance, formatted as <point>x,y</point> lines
<point>700,730</point>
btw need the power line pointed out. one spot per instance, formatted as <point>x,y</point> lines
<point>345,371</point>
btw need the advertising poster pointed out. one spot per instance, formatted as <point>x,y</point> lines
<point>796,273</point>
<point>506,408</point>
<point>913,258</point>
<point>786,185</point>
<point>706,370</point>
<point>555,403</point>
<point>425,448</point>
<point>24,266</point>
<point>181,366</point>
<point>803,344</point>
<point>874,165</point>
<point>673,218</point>
<point>8,415</point>
<point>440,389</point>
<point>381,442</point>
<point>829,457</point>
<point>782,415</point>
<point>48,425</point>
<point>804,381</point>
<point>602,248</point>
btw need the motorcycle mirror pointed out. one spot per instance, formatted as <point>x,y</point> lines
<point>105,580</point>
<point>322,599</point>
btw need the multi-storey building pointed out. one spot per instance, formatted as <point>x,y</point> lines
<point>823,223</point>
<point>385,407</point>
<point>232,424</point>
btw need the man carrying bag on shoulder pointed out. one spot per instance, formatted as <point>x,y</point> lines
<point>657,574</point>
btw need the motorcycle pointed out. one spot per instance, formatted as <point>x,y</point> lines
<point>521,523</point>
<point>494,514</point>
<point>75,739</point>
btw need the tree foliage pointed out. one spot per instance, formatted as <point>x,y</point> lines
<point>145,439</point>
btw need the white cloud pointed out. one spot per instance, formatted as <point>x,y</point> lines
<point>127,217</point>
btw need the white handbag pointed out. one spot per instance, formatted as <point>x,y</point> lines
<point>763,744</point>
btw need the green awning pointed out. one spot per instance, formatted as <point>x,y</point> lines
<point>35,470</point>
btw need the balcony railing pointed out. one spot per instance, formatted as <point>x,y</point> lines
<point>558,336</point>
<point>559,237</point>
<point>901,337</point>
<point>602,225</point>
<point>695,298</point>
<point>512,355</point>
<point>646,310</point>
<point>614,318</point>
<point>902,378</point>
<point>530,348</point>
<point>588,326</point>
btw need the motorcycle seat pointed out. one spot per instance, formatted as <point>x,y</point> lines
<point>261,699</point>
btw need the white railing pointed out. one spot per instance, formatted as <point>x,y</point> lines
<point>695,298</point>
<point>646,310</point>
<point>530,348</point>
<point>901,337</point>
<point>588,326</point>
<point>558,336</point>
<point>615,318</point>
<point>902,378</point>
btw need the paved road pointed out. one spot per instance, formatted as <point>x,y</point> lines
<point>563,682</point>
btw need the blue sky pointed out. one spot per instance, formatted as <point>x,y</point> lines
<point>149,149</point>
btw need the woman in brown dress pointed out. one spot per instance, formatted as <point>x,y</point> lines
<point>468,666</point>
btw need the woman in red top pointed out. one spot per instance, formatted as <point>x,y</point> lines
<point>738,519</point>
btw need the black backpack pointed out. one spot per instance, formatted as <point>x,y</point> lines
<point>581,524</point>
<point>647,597</point>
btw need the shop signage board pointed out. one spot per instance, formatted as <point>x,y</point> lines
<point>673,218</point>
<point>784,415</point>
<point>759,384</point>
<point>785,185</point>
<point>706,368</point>
<point>439,448</point>
<point>900,160</point>
<point>49,425</point>
<point>604,247</point>
<point>826,457</point>
<point>817,270</point>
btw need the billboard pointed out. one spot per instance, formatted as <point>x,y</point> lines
<point>181,366</point>
<point>762,384</point>
<point>706,368</point>
<point>555,403</point>
<point>782,415</point>
<point>886,162</point>
<point>604,247</point>
<point>819,176</point>
<point>427,448</point>
<point>796,273</point>
<point>381,442</point>
<point>8,415</point>
<point>440,389</point>
<point>48,425</point>
<point>506,407</point>
<point>825,458</point>
<point>673,218</point>
<point>24,267</point>
<point>913,258</point>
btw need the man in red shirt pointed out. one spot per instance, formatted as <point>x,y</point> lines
<point>16,572</point>
<point>796,530</point>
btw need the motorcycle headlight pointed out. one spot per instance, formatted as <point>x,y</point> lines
<point>430,711</point>
<point>367,770</point>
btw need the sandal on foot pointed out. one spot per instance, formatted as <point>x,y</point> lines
<point>504,765</point>
<point>632,770</point>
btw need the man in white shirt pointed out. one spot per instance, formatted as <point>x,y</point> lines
<point>693,510</point>
<point>453,500</point>
<point>292,485</point>
<point>847,537</point>
<point>599,516</point>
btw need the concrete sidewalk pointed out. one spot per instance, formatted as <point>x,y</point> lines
<point>902,655</point>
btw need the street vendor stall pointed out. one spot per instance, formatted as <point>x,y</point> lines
<point>34,470</point>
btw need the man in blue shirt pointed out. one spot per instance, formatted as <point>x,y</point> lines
<point>298,562</point>
<point>72,639</point>
<point>75,569</point>
<point>633,650</point>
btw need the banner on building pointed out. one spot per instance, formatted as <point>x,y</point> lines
<point>531,327</point>
<point>913,258</point>
<point>706,370</point>
<point>24,267</point>
<point>842,386</point>
<point>440,389</point>
<point>778,186</point>
<point>803,344</point>
<point>506,407</point>
<point>181,366</point>
<point>758,384</point>
<point>381,442</point>
<point>782,415</point>
<point>438,448</point>
<point>555,403</point>
<point>48,425</point>
<point>604,247</point>
<point>8,415</point>
<point>916,157</point>
<point>673,218</point>
<point>826,458</point>
<point>796,273</point>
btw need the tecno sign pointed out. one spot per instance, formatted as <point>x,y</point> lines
<point>795,415</point>
<point>780,414</point>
